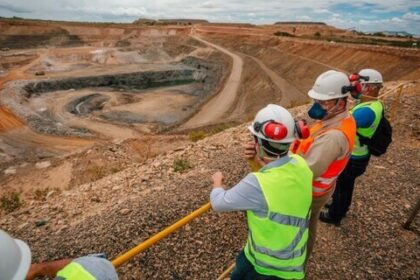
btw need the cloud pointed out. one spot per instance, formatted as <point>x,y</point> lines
<point>303,18</point>
<point>382,14</point>
<point>411,16</point>
<point>208,5</point>
<point>13,9</point>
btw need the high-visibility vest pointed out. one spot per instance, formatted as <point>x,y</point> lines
<point>277,242</point>
<point>74,271</point>
<point>326,181</point>
<point>361,151</point>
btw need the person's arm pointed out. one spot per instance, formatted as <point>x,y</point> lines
<point>246,195</point>
<point>48,269</point>
<point>364,117</point>
<point>326,148</point>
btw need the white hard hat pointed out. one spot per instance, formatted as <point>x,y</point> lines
<point>277,115</point>
<point>374,76</point>
<point>330,85</point>
<point>15,258</point>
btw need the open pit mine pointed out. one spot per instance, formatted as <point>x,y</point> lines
<point>110,132</point>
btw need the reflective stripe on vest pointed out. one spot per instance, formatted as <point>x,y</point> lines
<point>74,271</point>
<point>377,107</point>
<point>326,181</point>
<point>277,241</point>
<point>288,252</point>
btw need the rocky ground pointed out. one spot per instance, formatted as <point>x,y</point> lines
<point>116,212</point>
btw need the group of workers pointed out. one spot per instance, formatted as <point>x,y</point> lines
<point>301,167</point>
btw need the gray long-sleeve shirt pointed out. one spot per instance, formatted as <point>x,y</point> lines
<point>246,195</point>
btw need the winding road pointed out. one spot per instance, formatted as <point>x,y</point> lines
<point>218,105</point>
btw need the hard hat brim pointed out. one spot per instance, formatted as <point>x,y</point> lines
<point>25,262</point>
<point>315,95</point>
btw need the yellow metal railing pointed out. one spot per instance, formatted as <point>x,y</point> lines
<point>125,257</point>
<point>155,238</point>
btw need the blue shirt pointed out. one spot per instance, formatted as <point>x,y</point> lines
<point>246,195</point>
<point>364,117</point>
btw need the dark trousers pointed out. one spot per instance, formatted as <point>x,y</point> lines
<point>344,188</point>
<point>244,270</point>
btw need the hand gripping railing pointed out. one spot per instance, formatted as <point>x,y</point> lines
<point>125,257</point>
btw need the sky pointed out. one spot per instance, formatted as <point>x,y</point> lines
<point>367,16</point>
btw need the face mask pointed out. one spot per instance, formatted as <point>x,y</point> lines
<point>317,112</point>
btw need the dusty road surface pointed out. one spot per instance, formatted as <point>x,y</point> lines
<point>224,100</point>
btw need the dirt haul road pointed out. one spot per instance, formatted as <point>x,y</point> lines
<point>216,107</point>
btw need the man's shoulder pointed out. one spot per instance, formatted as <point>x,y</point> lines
<point>333,133</point>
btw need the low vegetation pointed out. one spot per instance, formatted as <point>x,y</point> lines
<point>181,165</point>
<point>197,135</point>
<point>411,43</point>
<point>282,33</point>
<point>11,202</point>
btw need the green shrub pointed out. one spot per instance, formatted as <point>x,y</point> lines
<point>197,135</point>
<point>282,33</point>
<point>11,202</point>
<point>317,34</point>
<point>41,194</point>
<point>180,165</point>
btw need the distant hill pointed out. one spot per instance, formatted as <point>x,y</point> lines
<point>397,33</point>
<point>174,21</point>
<point>301,22</point>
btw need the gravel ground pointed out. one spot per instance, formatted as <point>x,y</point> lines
<point>119,211</point>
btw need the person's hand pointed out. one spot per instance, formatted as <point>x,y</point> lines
<point>250,151</point>
<point>34,271</point>
<point>48,269</point>
<point>217,179</point>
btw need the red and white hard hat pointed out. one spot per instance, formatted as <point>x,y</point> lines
<point>274,124</point>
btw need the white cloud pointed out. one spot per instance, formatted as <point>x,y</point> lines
<point>208,5</point>
<point>253,11</point>
<point>396,19</point>
<point>304,18</point>
<point>411,16</point>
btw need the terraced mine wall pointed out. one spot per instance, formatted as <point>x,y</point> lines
<point>206,75</point>
<point>137,80</point>
<point>59,37</point>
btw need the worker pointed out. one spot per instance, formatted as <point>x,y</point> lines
<point>367,115</point>
<point>15,264</point>
<point>329,146</point>
<point>277,200</point>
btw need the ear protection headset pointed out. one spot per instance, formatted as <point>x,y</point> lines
<point>302,129</point>
<point>356,86</point>
<point>278,131</point>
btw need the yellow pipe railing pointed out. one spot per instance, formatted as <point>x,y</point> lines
<point>155,238</point>
<point>125,257</point>
<point>395,104</point>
